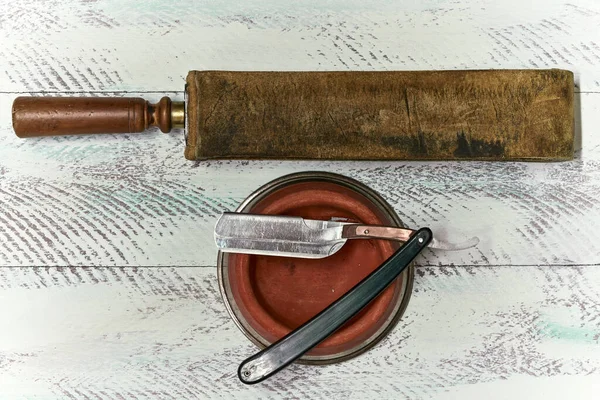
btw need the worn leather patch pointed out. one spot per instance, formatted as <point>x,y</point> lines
<point>387,115</point>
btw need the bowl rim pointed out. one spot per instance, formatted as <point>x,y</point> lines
<point>373,197</point>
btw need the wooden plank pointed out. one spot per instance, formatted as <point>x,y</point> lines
<point>112,45</point>
<point>157,333</point>
<point>95,201</point>
<point>135,333</point>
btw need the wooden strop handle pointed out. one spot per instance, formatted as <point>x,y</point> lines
<point>51,116</point>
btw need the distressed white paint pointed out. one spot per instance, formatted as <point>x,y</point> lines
<point>125,45</point>
<point>487,326</point>
<point>101,331</point>
<point>98,204</point>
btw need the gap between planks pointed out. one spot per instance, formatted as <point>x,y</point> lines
<point>418,266</point>
<point>109,92</point>
<point>177,92</point>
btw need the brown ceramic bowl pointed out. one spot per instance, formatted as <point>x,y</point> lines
<point>268,296</point>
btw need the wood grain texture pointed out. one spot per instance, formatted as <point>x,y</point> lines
<point>471,331</point>
<point>94,201</point>
<point>384,115</point>
<point>109,45</point>
<point>34,116</point>
<point>161,333</point>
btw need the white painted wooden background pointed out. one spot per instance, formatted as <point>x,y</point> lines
<point>108,287</point>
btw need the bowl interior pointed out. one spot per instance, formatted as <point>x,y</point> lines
<point>271,296</point>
